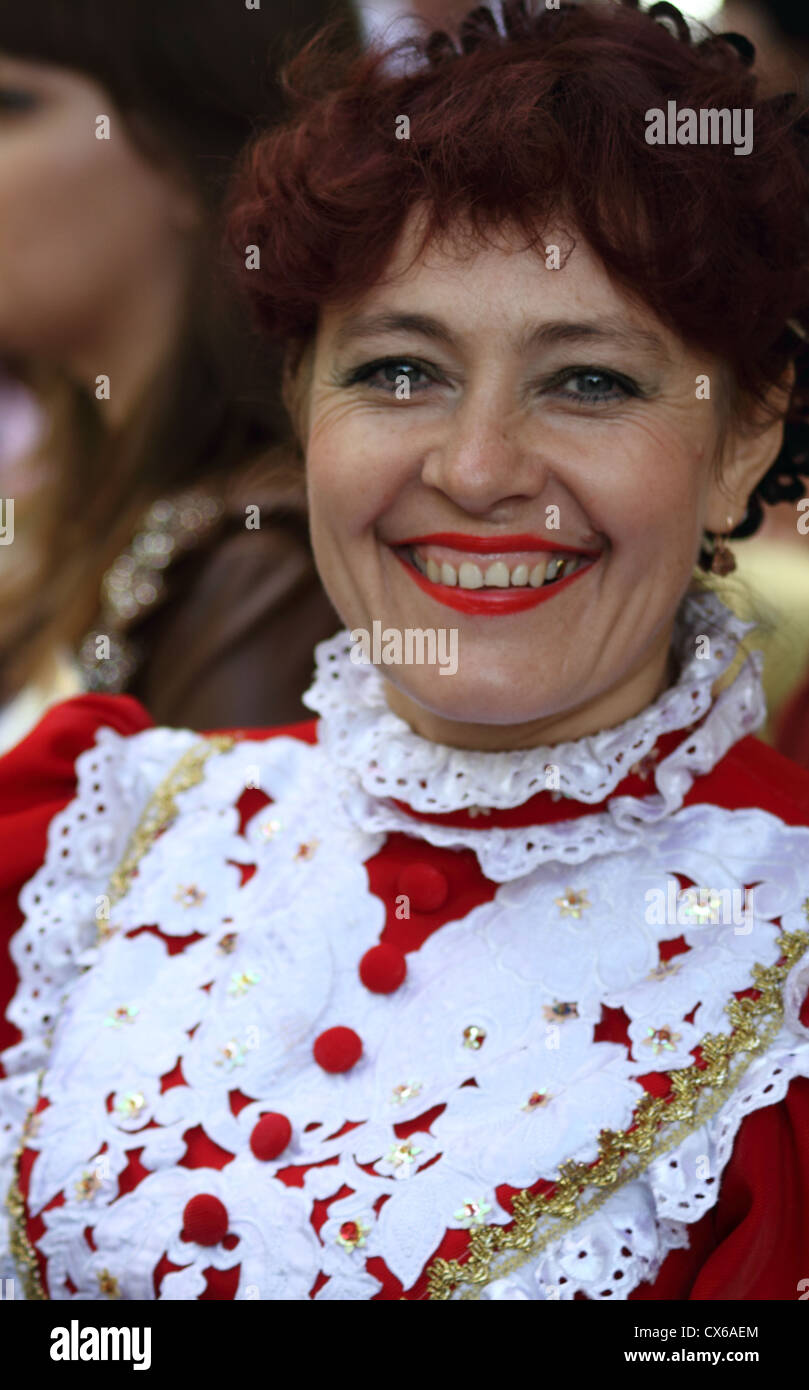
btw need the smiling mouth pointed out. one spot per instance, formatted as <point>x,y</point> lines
<point>503,580</point>
<point>508,571</point>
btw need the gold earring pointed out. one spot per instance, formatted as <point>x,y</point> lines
<point>723,561</point>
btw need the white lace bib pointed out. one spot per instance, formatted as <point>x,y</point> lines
<point>506,997</point>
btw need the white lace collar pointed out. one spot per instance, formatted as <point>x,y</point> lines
<point>377,757</point>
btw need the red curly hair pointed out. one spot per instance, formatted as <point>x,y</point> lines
<point>548,118</point>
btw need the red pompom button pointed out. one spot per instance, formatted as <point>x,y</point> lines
<point>426,887</point>
<point>205,1220</point>
<point>382,969</point>
<point>337,1049</point>
<point>270,1136</point>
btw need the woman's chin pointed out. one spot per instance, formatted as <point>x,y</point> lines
<point>463,700</point>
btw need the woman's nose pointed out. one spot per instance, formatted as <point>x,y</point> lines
<point>483,457</point>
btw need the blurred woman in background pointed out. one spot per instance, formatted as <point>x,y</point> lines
<point>163,548</point>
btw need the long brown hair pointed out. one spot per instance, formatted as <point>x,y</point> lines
<point>195,79</point>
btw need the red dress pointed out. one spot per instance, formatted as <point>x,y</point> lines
<point>752,1241</point>
<point>793,727</point>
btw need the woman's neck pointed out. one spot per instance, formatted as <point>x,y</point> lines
<point>639,688</point>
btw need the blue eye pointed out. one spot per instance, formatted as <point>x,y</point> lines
<point>594,385</point>
<point>386,374</point>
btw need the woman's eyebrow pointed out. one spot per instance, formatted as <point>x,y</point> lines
<point>367,325</point>
<point>604,330</point>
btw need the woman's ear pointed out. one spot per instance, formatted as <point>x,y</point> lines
<point>751,447</point>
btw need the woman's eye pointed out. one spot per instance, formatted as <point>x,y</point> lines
<point>590,384</point>
<point>399,376</point>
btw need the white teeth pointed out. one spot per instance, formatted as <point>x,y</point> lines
<point>469,576</point>
<point>497,575</point>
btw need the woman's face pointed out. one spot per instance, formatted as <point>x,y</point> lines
<point>90,230</point>
<point>549,419</point>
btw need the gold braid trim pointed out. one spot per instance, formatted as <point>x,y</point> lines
<point>160,810</point>
<point>20,1247</point>
<point>624,1154</point>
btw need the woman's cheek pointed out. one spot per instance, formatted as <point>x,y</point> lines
<point>653,493</point>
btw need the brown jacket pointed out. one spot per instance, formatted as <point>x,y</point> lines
<point>232,644</point>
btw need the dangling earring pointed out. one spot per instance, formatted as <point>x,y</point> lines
<point>723,561</point>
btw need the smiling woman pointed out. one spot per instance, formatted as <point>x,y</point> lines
<point>539,407</point>
<point>513,313</point>
<point>477,932</point>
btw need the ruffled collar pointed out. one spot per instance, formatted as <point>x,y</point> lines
<point>393,779</point>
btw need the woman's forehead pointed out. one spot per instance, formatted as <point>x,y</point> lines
<point>554,292</point>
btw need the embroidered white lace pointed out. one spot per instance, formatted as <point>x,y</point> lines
<point>122,1013</point>
<point>377,756</point>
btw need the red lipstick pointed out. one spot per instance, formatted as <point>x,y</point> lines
<point>492,602</point>
<point>494,545</point>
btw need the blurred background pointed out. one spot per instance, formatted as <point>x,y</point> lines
<point>140,415</point>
